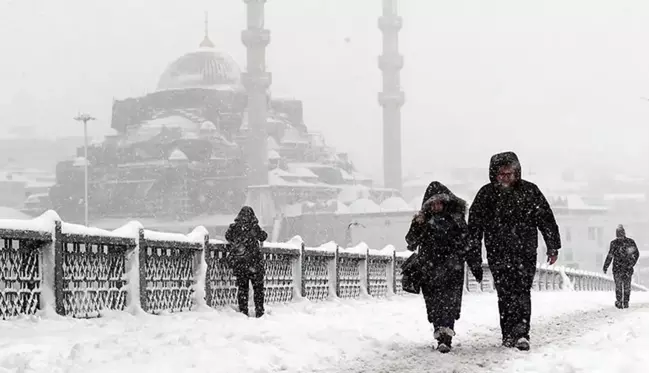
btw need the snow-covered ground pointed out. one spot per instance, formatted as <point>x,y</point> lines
<point>619,344</point>
<point>572,332</point>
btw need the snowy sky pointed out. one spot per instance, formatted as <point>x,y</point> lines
<point>548,78</point>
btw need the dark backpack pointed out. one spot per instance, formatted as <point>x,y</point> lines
<point>241,254</point>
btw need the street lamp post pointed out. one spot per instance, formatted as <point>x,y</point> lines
<point>85,118</point>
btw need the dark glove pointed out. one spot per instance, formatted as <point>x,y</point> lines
<point>552,252</point>
<point>477,273</point>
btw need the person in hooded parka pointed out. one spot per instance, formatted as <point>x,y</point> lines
<point>245,237</point>
<point>624,254</point>
<point>508,212</point>
<point>439,231</point>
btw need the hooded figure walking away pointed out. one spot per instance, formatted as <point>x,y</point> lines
<point>245,237</point>
<point>507,213</point>
<point>439,230</point>
<point>624,254</point>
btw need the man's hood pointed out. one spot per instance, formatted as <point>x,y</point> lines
<point>504,159</point>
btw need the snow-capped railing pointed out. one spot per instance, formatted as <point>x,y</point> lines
<point>553,278</point>
<point>294,271</point>
<point>48,265</point>
<point>51,266</point>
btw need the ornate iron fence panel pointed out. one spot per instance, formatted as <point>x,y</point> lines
<point>220,283</point>
<point>377,276</point>
<point>169,274</point>
<point>315,267</point>
<point>278,282</point>
<point>93,276</point>
<point>20,278</point>
<point>398,275</point>
<point>349,276</point>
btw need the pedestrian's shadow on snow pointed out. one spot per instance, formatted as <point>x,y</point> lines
<point>485,347</point>
<point>465,348</point>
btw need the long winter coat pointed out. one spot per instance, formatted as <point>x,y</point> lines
<point>624,254</point>
<point>443,246</point>
<point>245,237</point>
<point>508,219</point>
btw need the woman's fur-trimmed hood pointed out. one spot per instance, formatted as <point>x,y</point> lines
<point>437,191</point>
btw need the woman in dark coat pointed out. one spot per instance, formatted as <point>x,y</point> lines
<point>245,237</point>
<point>440,232</point>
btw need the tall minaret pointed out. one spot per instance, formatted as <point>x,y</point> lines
<point>256,81</point>
<point>391,98</point>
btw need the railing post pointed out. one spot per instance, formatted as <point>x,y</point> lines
<point>337,260</point>
<point>364,273</point>
<point>142,256</point>
<point>332,274</point>
<point>206,253</point>
<point>298,274</point>
<point>59,299</point>
<point>47,302</point>
<point>200,271</point>
<point>392,274</point>
<point>134,285</point>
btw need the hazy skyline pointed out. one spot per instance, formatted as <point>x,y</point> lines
<point>557,81</point>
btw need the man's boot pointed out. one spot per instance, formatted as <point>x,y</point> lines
<point>508,342</point>
<point>444,337</point>
<point>522,344</point>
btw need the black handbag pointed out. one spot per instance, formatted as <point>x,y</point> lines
<point>411,275</point>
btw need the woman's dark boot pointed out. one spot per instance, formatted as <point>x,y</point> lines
<point>444,338</point>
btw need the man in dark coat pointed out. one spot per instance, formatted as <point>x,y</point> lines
<point>507,213</point>
<point>624,254</point>
<point>246,259</point>
<point>439,230</point>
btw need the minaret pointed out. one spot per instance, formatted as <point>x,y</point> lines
<point>256,81</point>
<point>391,98</point>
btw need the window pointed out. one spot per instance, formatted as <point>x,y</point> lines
<point>592,234</point>
<point>568,234</point>
<point>600,236</point>
<point>599,260</point>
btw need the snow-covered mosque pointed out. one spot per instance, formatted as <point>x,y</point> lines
<point>178,158</point>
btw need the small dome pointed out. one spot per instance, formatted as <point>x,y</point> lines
<point>350,193</point>
<point>395,204</point>
<point>208,126</point>
<point>363,206</point>
<point>80,162</point>
<point>177,155</point>
<point>205,68</point>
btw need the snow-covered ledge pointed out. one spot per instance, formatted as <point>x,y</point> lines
<point>199,234</point>
<point>132,229</point>
<point>48,222</point>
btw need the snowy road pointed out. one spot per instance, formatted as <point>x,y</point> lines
<point>571,332</point>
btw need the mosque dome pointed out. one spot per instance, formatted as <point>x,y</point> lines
<point>203,68</point>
